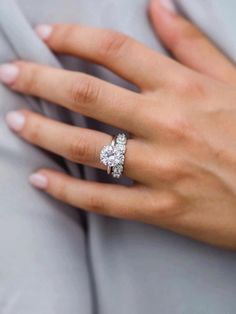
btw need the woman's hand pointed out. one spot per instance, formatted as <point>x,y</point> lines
<point>182,151</point>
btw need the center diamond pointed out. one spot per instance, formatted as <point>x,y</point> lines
<point>111,156</point>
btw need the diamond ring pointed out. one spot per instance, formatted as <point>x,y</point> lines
<point>113,155</point>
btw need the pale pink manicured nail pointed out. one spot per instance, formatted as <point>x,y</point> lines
<point>15,120</point>
<point>168,5</point>
<point>39,181</point>
<point>44,31</point>
<point>8,73</point>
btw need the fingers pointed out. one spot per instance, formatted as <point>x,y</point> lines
<point>76,144</point>
<point>188,43</point>
<point>107,199</point>
<point>120,53</point>
<point>79,92</point>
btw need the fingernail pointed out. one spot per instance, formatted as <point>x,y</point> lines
<point>44,31</point>
<point>38,180</point>
<point>8,73</point>
<point>168,5</point>
<point>15,120</point>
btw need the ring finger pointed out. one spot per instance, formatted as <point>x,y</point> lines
<point>76,144</point>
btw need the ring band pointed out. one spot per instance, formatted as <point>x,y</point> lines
<point>109,168</point>
<point>113,155</point>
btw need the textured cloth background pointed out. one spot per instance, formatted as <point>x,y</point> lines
<point>55,259</point>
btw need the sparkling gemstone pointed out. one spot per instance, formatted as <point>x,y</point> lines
<point>111,156</point>
<point>121,139</point>
<point>116,175</point>
<point>121,148</point>
<point>117,169</point>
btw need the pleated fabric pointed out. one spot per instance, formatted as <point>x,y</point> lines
<point>58,259</point>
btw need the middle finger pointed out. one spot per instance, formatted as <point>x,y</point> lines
<point>82,93</point>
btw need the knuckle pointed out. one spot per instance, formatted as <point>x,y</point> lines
<point>84,91</point>
<point>111,44</point>
<point>183,85</point>
<point>96,203</point>
<point>79,150</point>
<point>179,128</point>
<point>173,171</point>
<point>170,206</point>
<point>190,86</point>
<point>171,203</point>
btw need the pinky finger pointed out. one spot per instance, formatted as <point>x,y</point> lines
<point>102,198</point>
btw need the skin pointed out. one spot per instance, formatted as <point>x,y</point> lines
<point>182,150</point>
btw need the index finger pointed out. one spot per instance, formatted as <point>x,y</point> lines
<point>120,53</point>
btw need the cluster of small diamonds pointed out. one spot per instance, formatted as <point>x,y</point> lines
<point>120,146</point>
<point>113,155</point>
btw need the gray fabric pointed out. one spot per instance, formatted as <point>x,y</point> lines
<point>55,259</point>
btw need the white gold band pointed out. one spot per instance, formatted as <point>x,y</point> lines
<point>113,155</point>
